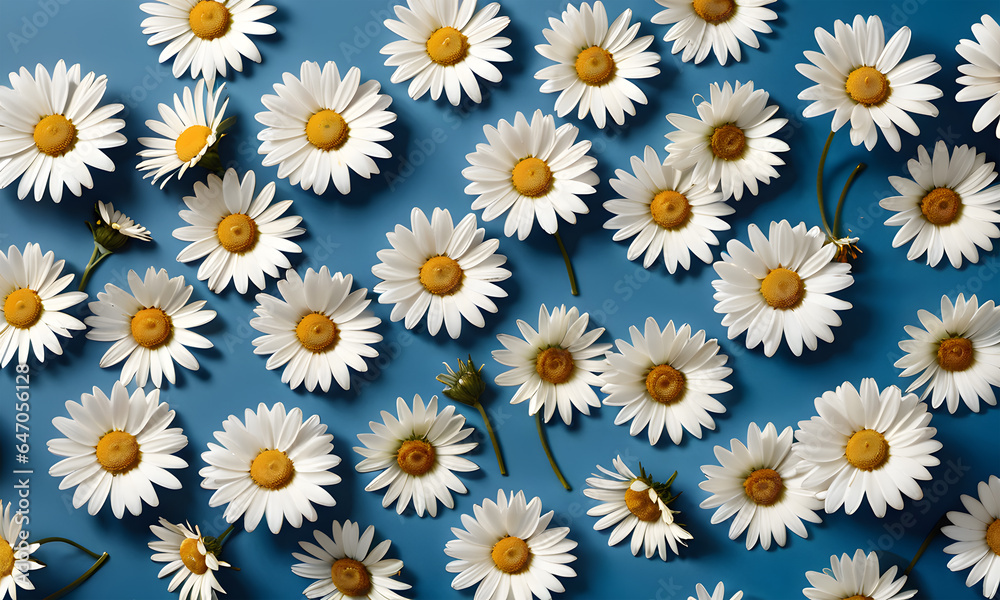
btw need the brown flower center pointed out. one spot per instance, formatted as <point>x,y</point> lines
<point>209,19</point>
<point>416,457</point>
<point>441,275</point>
<point>955,354</point>
<point>192,558</point>
<point>665,384</point>
<point>867,86</point>
<point>728,142</point>
<point>118,452</point>
<point>55,135</point>
<point>867,450</point>
<point>22,308</point>
<point>327,130</point>
<point>670,209</point>
<point>272,469</point>
<point>595,66</point>
<point>532,177</point>
<point>151,327</point>
<point>715,11</point>
<point>640,505</point>
<point>6,560</point>
<point>351,577</point>
<point>511,555</point>
<point>941,206</point>
<point>764,486</point>
<point>191,142</point>
<point>782,288</point>
<point>316,332</point>
<point>554,365</point>
<point>447,46</point>
<point>237,233</point>
<point>993,536</point>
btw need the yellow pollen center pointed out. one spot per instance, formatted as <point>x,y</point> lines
<point>532,177</point>
<point>151,327</point>
<point>728,142</point>
<point>272,469</point>
<point>6,560</point>
<point>764,486</point>
<point>22,308</point>
<point>118,452</point>
<point>416,457</point>
<point>941,206</point>
<point>782,288</point>
<point>327,130</point>
<point>55,135</point>
<point>665,384</point>
<point>192,558</point>
<point>595,66</point>
<point>237,233</point>
<point>351,577</point>
<point>640,505</point>
<point>511,555</point>
<point>191,142</point>
<point>554,365</point>
<point>209,20</point>
<point>441,275</point>
<point>993,536</point>
<point>670,209</point>
<point>867,86</point>
<point>316,332</point>
<point>447,46</point>
<point>714,11</point>
<point>955,354</point>
<point>867,450</point>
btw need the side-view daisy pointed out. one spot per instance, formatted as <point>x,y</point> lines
<point>976,534</point>
<point>860,577</point>
<point>15,554</point>
<point>120,222</point>
<point>189,553</point>
<point>718,594</point>
<point>702,26</point>
<point>112,229</point>
<point>981,73</point>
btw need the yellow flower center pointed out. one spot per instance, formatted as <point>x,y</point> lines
<point>55,135</point>
<point>22,308</point>
<point>441,275</point>
<point>670,209</point>
<point>272,469</point>
<point>554,365</point>
<point>665,384</point>
<point>532,177</point>
<point>993,536</point>
<point>867,86</point>
<point>955,354</point>
<point>782,288</point>
<point>511,555</point>
<point>151,327</point>
<point>447,46</point>
<point>193,559</point>
<point>867,450</point>
<point>209,19</point>
<point>715,11</point>
<point>191,142</point>
<point>118,452</point>
<point>316,332</point>
<point>237,233</point>
<point>327,130</point>
<point>764,486</point>
<point>351,577</point>
<point>595,66</point>
<point>640,505</point>
<point>416,457</point>
<point>728,142</point>
<point>941,206</point>
<point>6,560</point>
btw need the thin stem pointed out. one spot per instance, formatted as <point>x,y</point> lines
<point>819,183</point>
<point>493,438</point>
<point>70,542</point>
<point>222,538</point>
<point>843,194</point>
<point>103,558</point>
<point>927,542</point>
<point>95,259</point>
<point>548,453</point>
<point>569,266</point>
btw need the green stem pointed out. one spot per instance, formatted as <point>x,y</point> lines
<point>819,183</point>
<point>548,453</point>
<point>103,558</point>
<point>843,194</point>
<point>569,266</point>
<point>493,438</point>
<point>222,538</point>
<point>927,542</point>
<point>95,259</point>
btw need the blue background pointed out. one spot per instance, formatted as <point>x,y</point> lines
<point>431,140</point>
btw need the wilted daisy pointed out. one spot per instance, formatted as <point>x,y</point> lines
<point>270,464</point>
<point>15,554</point>
<point>702,26</point>
<point>946,208</point>
<point>319,127</point>
<point>982,72</point>
<point>867,444</point>
<point>241,237</point>
<point>445,45</point>
<point>783,286</point>
<point>880,90</point>
<point>33,301</point>
<point>508,549</point>
<point>150,327</point>
<point>118,447</point>
<point>54,132</point>
<point>761,484</point>
<point>858,578</point>
<point>718,594</point>
<point>192,555</point>
<point>977,537</point>
<point>730,142</point>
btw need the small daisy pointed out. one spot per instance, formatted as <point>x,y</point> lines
<point>783,286</point>
<point>981,74</point>
<point>858,578</point>
<point>206,35</point>
<point>445,45</point>
<point>867,444</point>
<point>186,551</point>
<point>596,63</point>
<point>317,329</point>
<point>15,554</point>
<point>702,26</point>
<point>730,142</point>
<point>977,537</point>
<point>189,132</point>
<point>241,237</point>
<point>509,550</point>
<point>319,127</point>
<point>53,132</point>
<point>946,208</point>
<point>118,447</point>
<point>272,465</point>
<point>664,381</point>
<point>450,273</point>
<point>636,505</point>
<point>858,75</point>
<point>112,229</point>
<point>718,594</point>
<point>417,452</point>
<point>669,213</point>
<point>761,484</point>
<point>120,222</point>
<point>32,314</point>
<point>151,327</point>
<point>346,565</point>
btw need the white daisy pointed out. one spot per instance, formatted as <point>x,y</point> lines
<point>346,565</point>
<point>445,45</point>
<point>52,131</point>
<point>274,464</point>
<point>858,578</point>
<point>977,537</point>
<point>534,171</point>
<point>450,273</point>
<point>120,222</point>
<point>702,26</point>
<point>783,286</point>
<point>867,444</point>
<point>860,79</point>
<point>319,127</point>
<point>730,143</point>
<point>555,366</point>
<point>509,550</point>
<point>595,63</point>
<point>206,35</point>
<point>241,237</point>
<point>761,484</point>
<point>417,452</point>
<point>32,314</point>
<point>151,327</point>
<point>15,554</point>
<point>946,208</point>
<point>632,504</point>
<point>118,447</point>
<point>718,594</point>
<point>981,73</point>
<point>185,551</point>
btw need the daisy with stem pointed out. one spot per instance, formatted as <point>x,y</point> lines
<point>466,386</point>
<point>112,229</point>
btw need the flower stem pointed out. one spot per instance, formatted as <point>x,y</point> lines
<point>843,194</point>
<point>927,542</point>
<point>819,184</point>
<point>103,558</point>
<point>569,266</point>
<point>493,438</point>
<point>222,538</point>
<point>548,453</point>
<point>95,259</point>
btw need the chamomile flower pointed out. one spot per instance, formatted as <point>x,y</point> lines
<point>53,132</point>
<point>981,73</point>
<point>730,144</point>
<point>718,594</point>
<point>880,90</point>
<point>703,26</point>
<point>977,537</point>
<point>241,237</point>
<point>120,222</point>
<point>185,550</point>
<point>15,554</point>
<point>860,577</point>
<point>446,44</point>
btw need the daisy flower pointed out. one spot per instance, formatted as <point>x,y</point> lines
<point>445,45</point>
<point>150,327</point>
<point>702,26</point>
<point>206,35</point>
<point>417,452</point>
<point>636,505</point>
<point>668,211</point>
<point>346,565</point>
<point>730,142</point>
<point>761,484</point>
<point>509,550</point>
<point>272,464</point>
<point>118,447</point>
<point>53,132</point>
<point>867,444</point>
<point>880,90</point>
<point>858,578</point>
<point>15,553</point>
<point>783,286</point>
<point>981,73</point>
<point>718,594</point>
<point>120,222</point>
<point>192,555</point>
<point>977,537</point>
<point>946,207</point>
<point>33,301</point>
<point>241,237</point>
<point>319,127</point>
<point>595,63</point>
<point>664,381</point>
<point>112,229</point>
<point>447,272</point>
